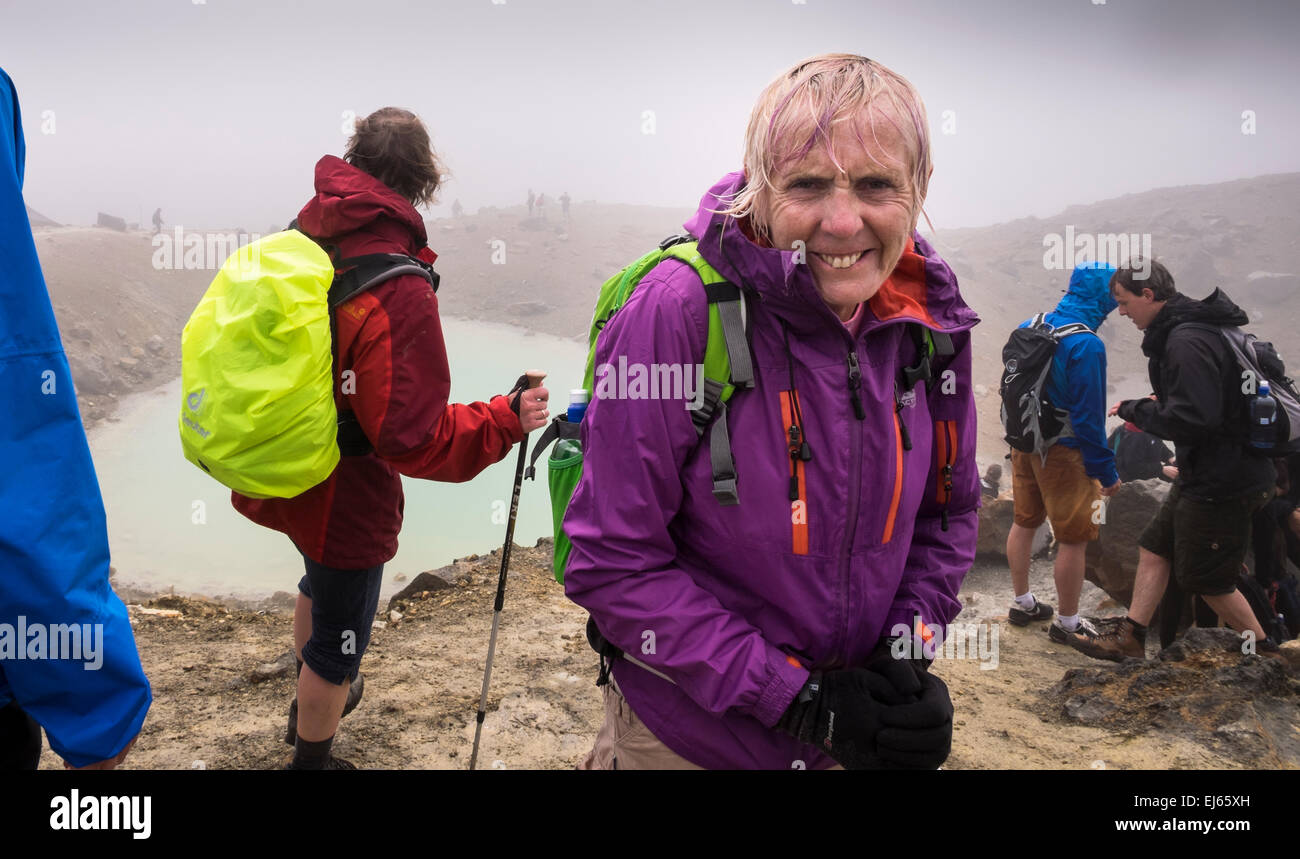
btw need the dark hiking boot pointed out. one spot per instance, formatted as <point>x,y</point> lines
<point>1117,643</point>
<point>1105,624</point>
<point>355,691</point>
<point>1020,617</point>
<point>333,763</point>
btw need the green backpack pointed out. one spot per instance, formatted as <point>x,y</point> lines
<point>257,364</point>
<point>727,366</point>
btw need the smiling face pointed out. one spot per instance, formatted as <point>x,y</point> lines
<point>854,222</point>
<point>1142,309</point>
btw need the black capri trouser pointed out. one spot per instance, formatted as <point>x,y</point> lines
<point>343,606</point>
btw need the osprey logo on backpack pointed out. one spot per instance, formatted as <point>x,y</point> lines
<point>1032,424</point>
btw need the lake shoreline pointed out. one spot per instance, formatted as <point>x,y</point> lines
<point>444,522</point>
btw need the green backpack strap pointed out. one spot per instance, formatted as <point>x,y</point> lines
<point>727,360</point>
<point>727,364</point>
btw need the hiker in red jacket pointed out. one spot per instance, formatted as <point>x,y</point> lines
<point>390,374</point>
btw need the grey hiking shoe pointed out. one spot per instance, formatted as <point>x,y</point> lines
<point>1080,638</point>
<point>1020,617</point>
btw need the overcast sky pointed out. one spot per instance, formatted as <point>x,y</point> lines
<point>216,111</point>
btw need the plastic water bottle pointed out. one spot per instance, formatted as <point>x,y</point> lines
<point>568,447</point>
<point>1263,418</point>
<point>577,405</point>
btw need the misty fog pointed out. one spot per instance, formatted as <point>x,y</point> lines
<point>216,111</point>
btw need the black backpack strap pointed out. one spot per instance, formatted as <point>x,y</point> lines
<point>929,343</point>
<point>352,438</point>
<point>610,652</point>
<point>1073,328</point>
<point>559,429</point>
<point>363,273</point>
<point>368,271</point>
<point>676,239</point>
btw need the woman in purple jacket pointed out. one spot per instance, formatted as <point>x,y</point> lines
<point>762,632</point>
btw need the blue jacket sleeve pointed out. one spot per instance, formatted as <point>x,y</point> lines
<point>1084,396</point>
<point>67,654</point>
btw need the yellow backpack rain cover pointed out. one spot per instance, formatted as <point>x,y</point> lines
<point>257,380</point>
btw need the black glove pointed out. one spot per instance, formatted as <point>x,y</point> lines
<point>918,735</point>
<point>887,716</point>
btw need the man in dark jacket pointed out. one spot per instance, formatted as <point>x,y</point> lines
<point>1203,528</point>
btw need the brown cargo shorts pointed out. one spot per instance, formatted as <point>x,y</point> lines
<point>1058,490</point>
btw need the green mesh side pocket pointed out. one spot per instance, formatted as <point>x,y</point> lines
<point>563,470</point>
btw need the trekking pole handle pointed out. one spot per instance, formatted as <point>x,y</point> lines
<point>529,380</point>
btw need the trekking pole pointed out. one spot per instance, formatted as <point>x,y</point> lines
<point>531,379</point>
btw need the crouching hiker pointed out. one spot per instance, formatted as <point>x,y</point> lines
<point>390,387</point>
<point>745,568</point>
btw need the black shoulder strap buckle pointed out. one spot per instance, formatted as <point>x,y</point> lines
<point>677,239</point>
<point>925,348</point>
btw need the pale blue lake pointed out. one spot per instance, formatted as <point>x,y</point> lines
<point>150,490</point>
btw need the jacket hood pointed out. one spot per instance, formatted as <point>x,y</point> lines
<point>12,130</point>
<point>1215,309</point>
<point>1088,297</point>
<point>349,199</point>
<point>922,287</point>
<point>27,325</point>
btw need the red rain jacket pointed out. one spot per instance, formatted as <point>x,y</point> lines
<point>391,338</point>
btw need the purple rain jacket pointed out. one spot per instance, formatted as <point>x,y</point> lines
<point>736,604</point>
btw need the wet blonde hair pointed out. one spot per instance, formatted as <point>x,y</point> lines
<point>798,110</point>
<point>392,145</point>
